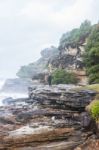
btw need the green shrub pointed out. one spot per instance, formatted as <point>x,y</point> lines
<point>94,108</point>
<point>60,76</point>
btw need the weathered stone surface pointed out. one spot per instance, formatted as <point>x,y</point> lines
<point>51,119</point>
<point>91,144</point>
<point>52,146</point>
<point>62,98</point>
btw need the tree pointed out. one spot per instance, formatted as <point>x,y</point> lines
<point>76,36</point>
<point>60,76</point>
<point>91,57</point>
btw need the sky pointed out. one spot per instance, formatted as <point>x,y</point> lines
<point>28,26</point>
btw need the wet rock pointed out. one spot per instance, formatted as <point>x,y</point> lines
<point>8,101</point>
<point>6,120</point>
<point>90,144</point>
<point>50,119</point>
<point>36,136</point>
<point>24,117</point>
<point>62,98</point>
<point>52,146</point>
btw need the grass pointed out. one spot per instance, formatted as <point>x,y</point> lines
<point>94,87</point>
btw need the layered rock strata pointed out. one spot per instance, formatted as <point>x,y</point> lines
<point>52,118</point>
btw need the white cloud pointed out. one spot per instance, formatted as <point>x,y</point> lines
<point>69,16</point>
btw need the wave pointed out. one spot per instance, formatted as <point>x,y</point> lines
<point>2,83</point>
<point>13,95</point>
<point>4,95</point>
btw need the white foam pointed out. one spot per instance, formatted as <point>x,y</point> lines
<point>1,83</point>
<point>13,95</point>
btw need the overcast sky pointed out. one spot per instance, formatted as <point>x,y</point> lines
<point>28,26</point>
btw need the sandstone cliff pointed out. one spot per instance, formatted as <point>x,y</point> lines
<point>68,56</point>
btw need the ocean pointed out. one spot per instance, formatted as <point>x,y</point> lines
<point>4,95</point>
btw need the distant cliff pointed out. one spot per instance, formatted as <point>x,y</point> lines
<point>40,66</point>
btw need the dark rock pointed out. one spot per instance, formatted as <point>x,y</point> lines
<point>64,61</point>
<point>8,101</point>
<point>24,117</point>
<point>57,98</point>
<point>5,121</point>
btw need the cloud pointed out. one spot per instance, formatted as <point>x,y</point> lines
<point>45,12</point>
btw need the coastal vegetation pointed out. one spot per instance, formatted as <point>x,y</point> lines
<point>95,110</point>
<point>91,57</point>
<point>76,36</point>
<point>61,76</point>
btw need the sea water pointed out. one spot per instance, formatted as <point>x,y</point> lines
<point>4,95</point>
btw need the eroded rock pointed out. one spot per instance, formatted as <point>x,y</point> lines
<point>49,119</point>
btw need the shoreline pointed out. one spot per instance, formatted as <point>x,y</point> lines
<point>50,118</point>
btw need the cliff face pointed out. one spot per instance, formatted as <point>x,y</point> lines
<point>70,59</point>
<point>68,55</point>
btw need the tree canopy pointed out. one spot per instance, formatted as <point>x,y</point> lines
<point>76,36</point>
<point>91,57</point>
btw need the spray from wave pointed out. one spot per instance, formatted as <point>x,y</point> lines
<point>1,83</point>
<point>4,95</point>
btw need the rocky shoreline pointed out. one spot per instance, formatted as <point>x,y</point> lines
<point>51,118</point>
